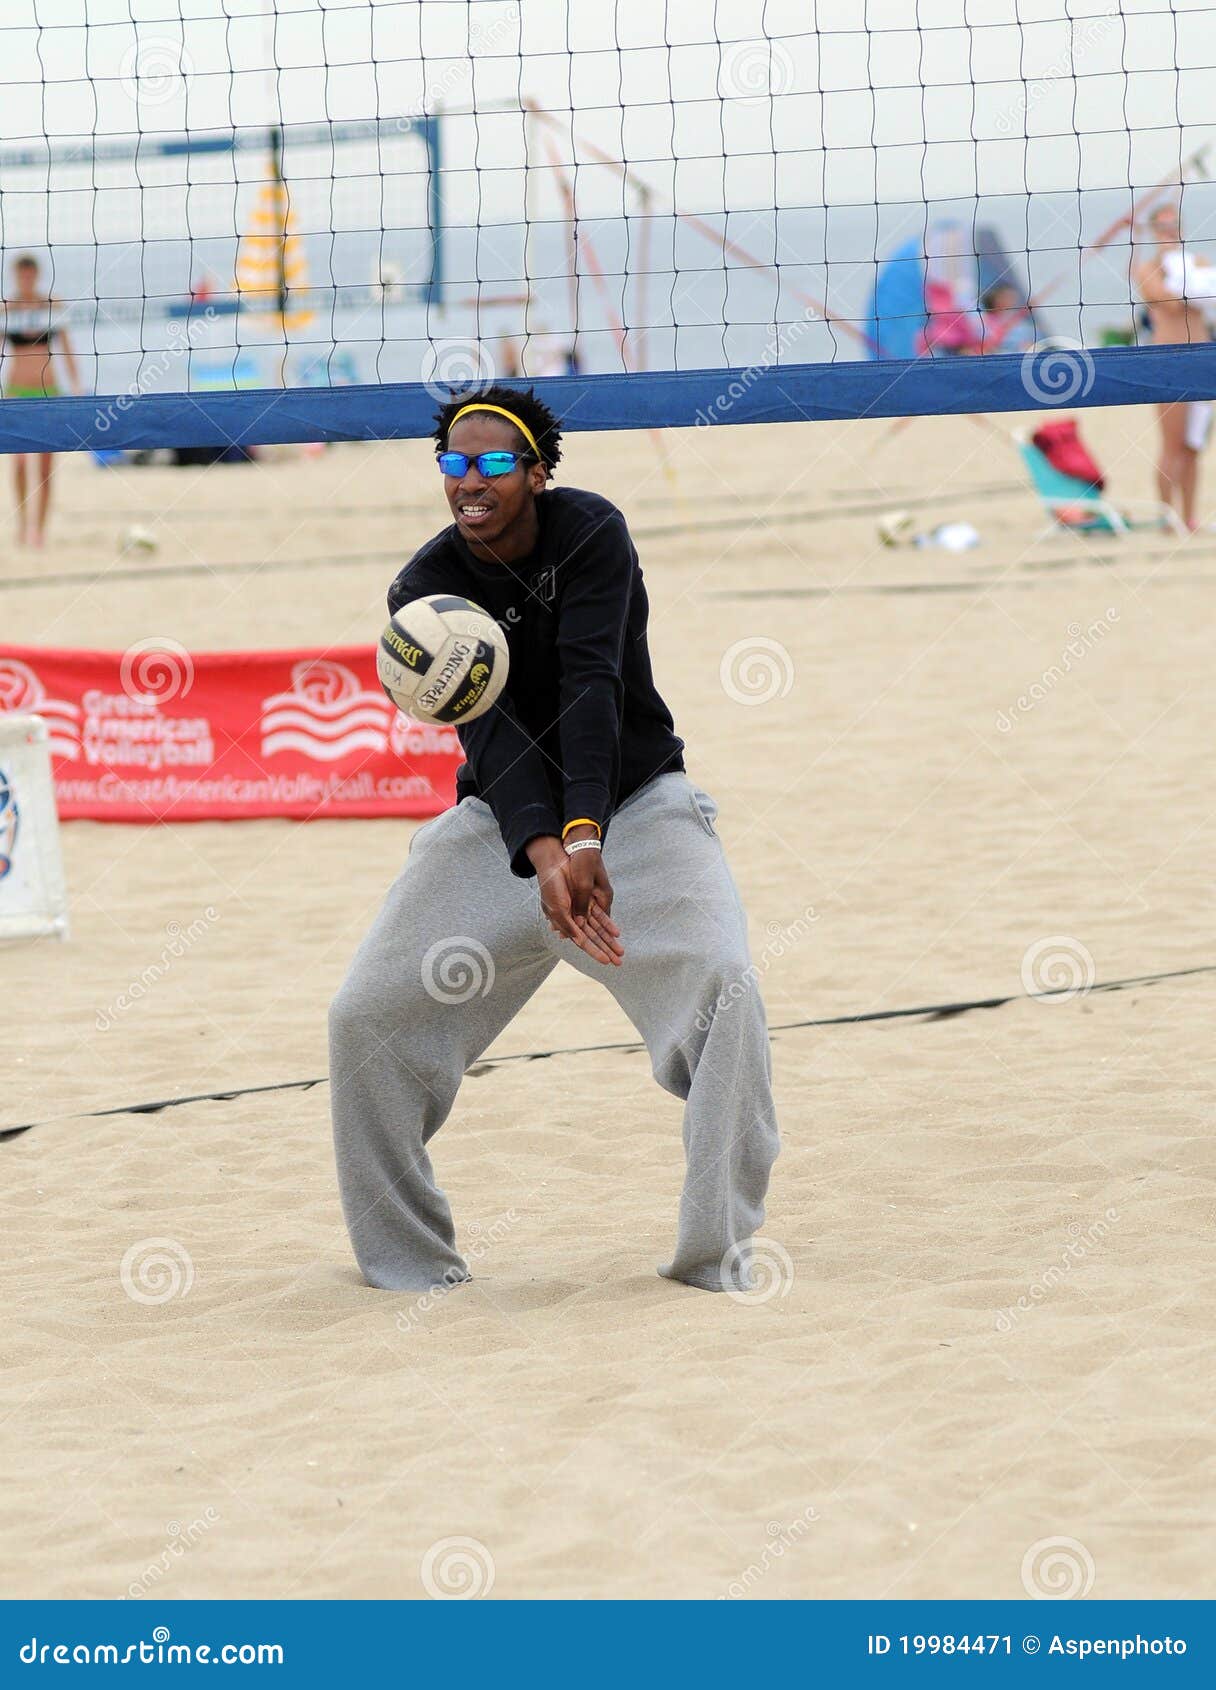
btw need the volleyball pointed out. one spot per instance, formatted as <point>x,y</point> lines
<point>137,541</point>
<point>442,659</point>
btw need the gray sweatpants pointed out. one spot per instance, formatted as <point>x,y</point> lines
<point>459,947</point>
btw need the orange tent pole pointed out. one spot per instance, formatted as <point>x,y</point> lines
<point>728,246</point>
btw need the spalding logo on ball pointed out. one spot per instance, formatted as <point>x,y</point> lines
<point>442,659</point>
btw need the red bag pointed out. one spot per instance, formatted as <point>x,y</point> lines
<point>1061,445</point>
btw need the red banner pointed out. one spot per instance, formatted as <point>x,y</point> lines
<point>157,733</point>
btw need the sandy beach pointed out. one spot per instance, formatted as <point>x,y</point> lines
<point>987,1323</point>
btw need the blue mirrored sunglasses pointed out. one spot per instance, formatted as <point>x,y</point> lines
<point>489,464</point>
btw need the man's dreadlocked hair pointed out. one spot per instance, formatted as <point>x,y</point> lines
<point>526,406</point>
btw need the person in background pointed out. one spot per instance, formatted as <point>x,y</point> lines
<point>509,366</point>
<point>1171,282</point>
<point>31,335</point>
<point>544,353</point>
<point>1005,320</point>
<point>951,330</point>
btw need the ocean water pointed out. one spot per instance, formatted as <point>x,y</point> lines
<point>656,294</point>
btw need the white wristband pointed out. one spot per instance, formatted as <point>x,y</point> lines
<point>582,845</point>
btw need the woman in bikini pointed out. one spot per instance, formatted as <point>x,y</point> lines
<point>31,334</point>
<point>1175,285</point>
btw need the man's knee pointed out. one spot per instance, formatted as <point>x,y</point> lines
<point>729,980</point>
<point>365,1010</point>
<point>348,1009</point>
<point>399,1032</point>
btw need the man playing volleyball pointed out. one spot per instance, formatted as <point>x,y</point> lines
<point>576,834</point>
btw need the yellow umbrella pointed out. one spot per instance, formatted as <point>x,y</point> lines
<point>270,263</point>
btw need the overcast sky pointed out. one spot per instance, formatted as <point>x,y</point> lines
<point>728,105</point>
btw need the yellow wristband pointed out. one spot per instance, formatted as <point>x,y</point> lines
<point>583,821</point>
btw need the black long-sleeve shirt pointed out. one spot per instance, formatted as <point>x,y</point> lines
<point>579,725</point>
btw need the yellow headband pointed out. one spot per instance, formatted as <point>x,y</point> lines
<point>510,416</point>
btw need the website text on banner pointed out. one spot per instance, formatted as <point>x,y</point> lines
<point>157,733</point>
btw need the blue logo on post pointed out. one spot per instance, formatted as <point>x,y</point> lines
<point>8,824</point>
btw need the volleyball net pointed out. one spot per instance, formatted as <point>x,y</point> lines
<point>264,220</point>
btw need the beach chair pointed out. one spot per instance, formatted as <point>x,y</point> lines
<point>1078,508</point>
